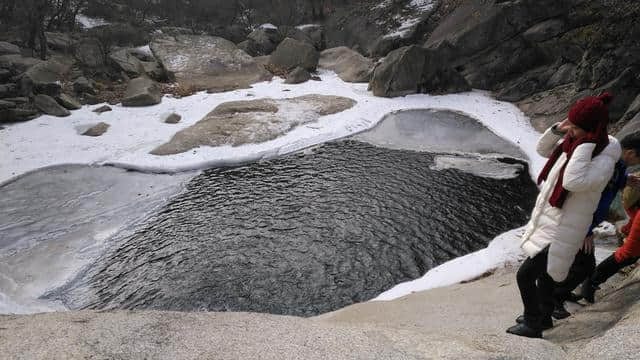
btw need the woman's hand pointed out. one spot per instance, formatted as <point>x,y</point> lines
<point>564,126</point>
<point>633,181</point>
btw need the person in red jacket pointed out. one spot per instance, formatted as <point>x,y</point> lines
<point>629,252</point>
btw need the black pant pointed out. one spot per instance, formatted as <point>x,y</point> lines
<point>609,267</point>
<point>537,299</point>
<point>582,267</point>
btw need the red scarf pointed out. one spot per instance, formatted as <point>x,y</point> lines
<point>568,145</point>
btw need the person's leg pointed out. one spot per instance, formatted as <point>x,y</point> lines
<point>582,268</point>
<point>546,287</point>
<point>606,269</point>
<point>528,273</point>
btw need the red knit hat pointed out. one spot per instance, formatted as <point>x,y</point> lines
<point>591,112</point>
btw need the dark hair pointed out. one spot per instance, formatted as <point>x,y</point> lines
<point>632,141</point>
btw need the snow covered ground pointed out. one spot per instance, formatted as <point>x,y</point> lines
<point>134,132</point>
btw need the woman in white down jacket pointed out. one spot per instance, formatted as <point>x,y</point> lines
<point>581,161</point>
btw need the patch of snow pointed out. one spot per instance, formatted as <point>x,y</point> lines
<point>134,132</point>
<point>145,50</point>
<point>89,23</point>
<point>414,13</point>
<point>268,26</point>
<point>307,26</point>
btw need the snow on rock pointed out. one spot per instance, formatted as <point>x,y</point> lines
<point>89,23</point>
<point>413,13</point>
<point>268,26</point>
<point>135,132</point>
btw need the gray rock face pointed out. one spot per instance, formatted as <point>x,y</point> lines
<point>292,53</point>
<point>83,86</point>
<point>624,89</point>
<point>564,75</point>
<point>264,41</point>
<point>97,130</point>
<point>242,122</point>
<point>46,77</point>
<point>7,105</point>
<point>17,64</point>
<point>17,115</point>
<point>207,62</point>
<point>49,106</point>
<point>68,102</point>
<point>297,76</point>
<point>250,47</point>
<point>135,64</point>
<point>316,34</point>
<point>4,75</point>
<point>398,74</point>
<point>60,41</point>
<point>142,92</point>
<point>8,90</point>
<point>8,48</point>
<point>348,64</point>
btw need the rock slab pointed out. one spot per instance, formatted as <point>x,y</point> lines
<point>292,53</point>
<point>49,106</point>
<point>142,92</point>
<point>254,121</point>
<point>207,62</point>
<point>347,63</point>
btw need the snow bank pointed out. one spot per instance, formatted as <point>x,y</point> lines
<point>134,132</point>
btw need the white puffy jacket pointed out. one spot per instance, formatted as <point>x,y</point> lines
<point>565,228</point>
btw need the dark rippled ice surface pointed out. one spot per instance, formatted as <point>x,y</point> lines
<point>303,234</point>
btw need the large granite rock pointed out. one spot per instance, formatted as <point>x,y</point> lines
<point>8,49</point>
<point>142,92</point>
<point>49,106</point>
<point>348,64</point>
<point>315,33</point>
<point>399,73</point>
<point>292,53</point>
<point>254,121</point>
<point>135,63</point>
<point>60,41</point>
<point>69,102</point>
<point>17,115</point>
<point>297,76</point>
<point>46,77</point>
<point>264,40</point>
<point>17,64</point>
<point>206,62</point>
<point>8,90</point>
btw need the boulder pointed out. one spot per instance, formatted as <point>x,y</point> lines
<point>89,52</point>
<point>17,100</point>
<point>297,76</point>
<point>254,121</point>
<point>102,109</point>
<point>83,86</point>
<point>250,47</point>
<point>316,34</point>
<point>172,118</point>
<point>142,92</point>
<point>17,115</point>
<point>68,102</point>
<point>348,64</point>
<point>632,110</point>
<point>207,62</point>
<point>292,53</point>
<point>264,40</point>
<point>134,63</point>
<point>97,130</point>
<point>49,106</point>
<point>60,41</point>
<point>399,73</point>
<point>17,64</point>
<point>46,77</point>
<point>440,78</point>
<point>9,49</point>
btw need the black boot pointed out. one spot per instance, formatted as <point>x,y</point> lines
<point>525,330</point>
<point>545,324</point>
<point>589,290</point>
<point>559,312</point>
